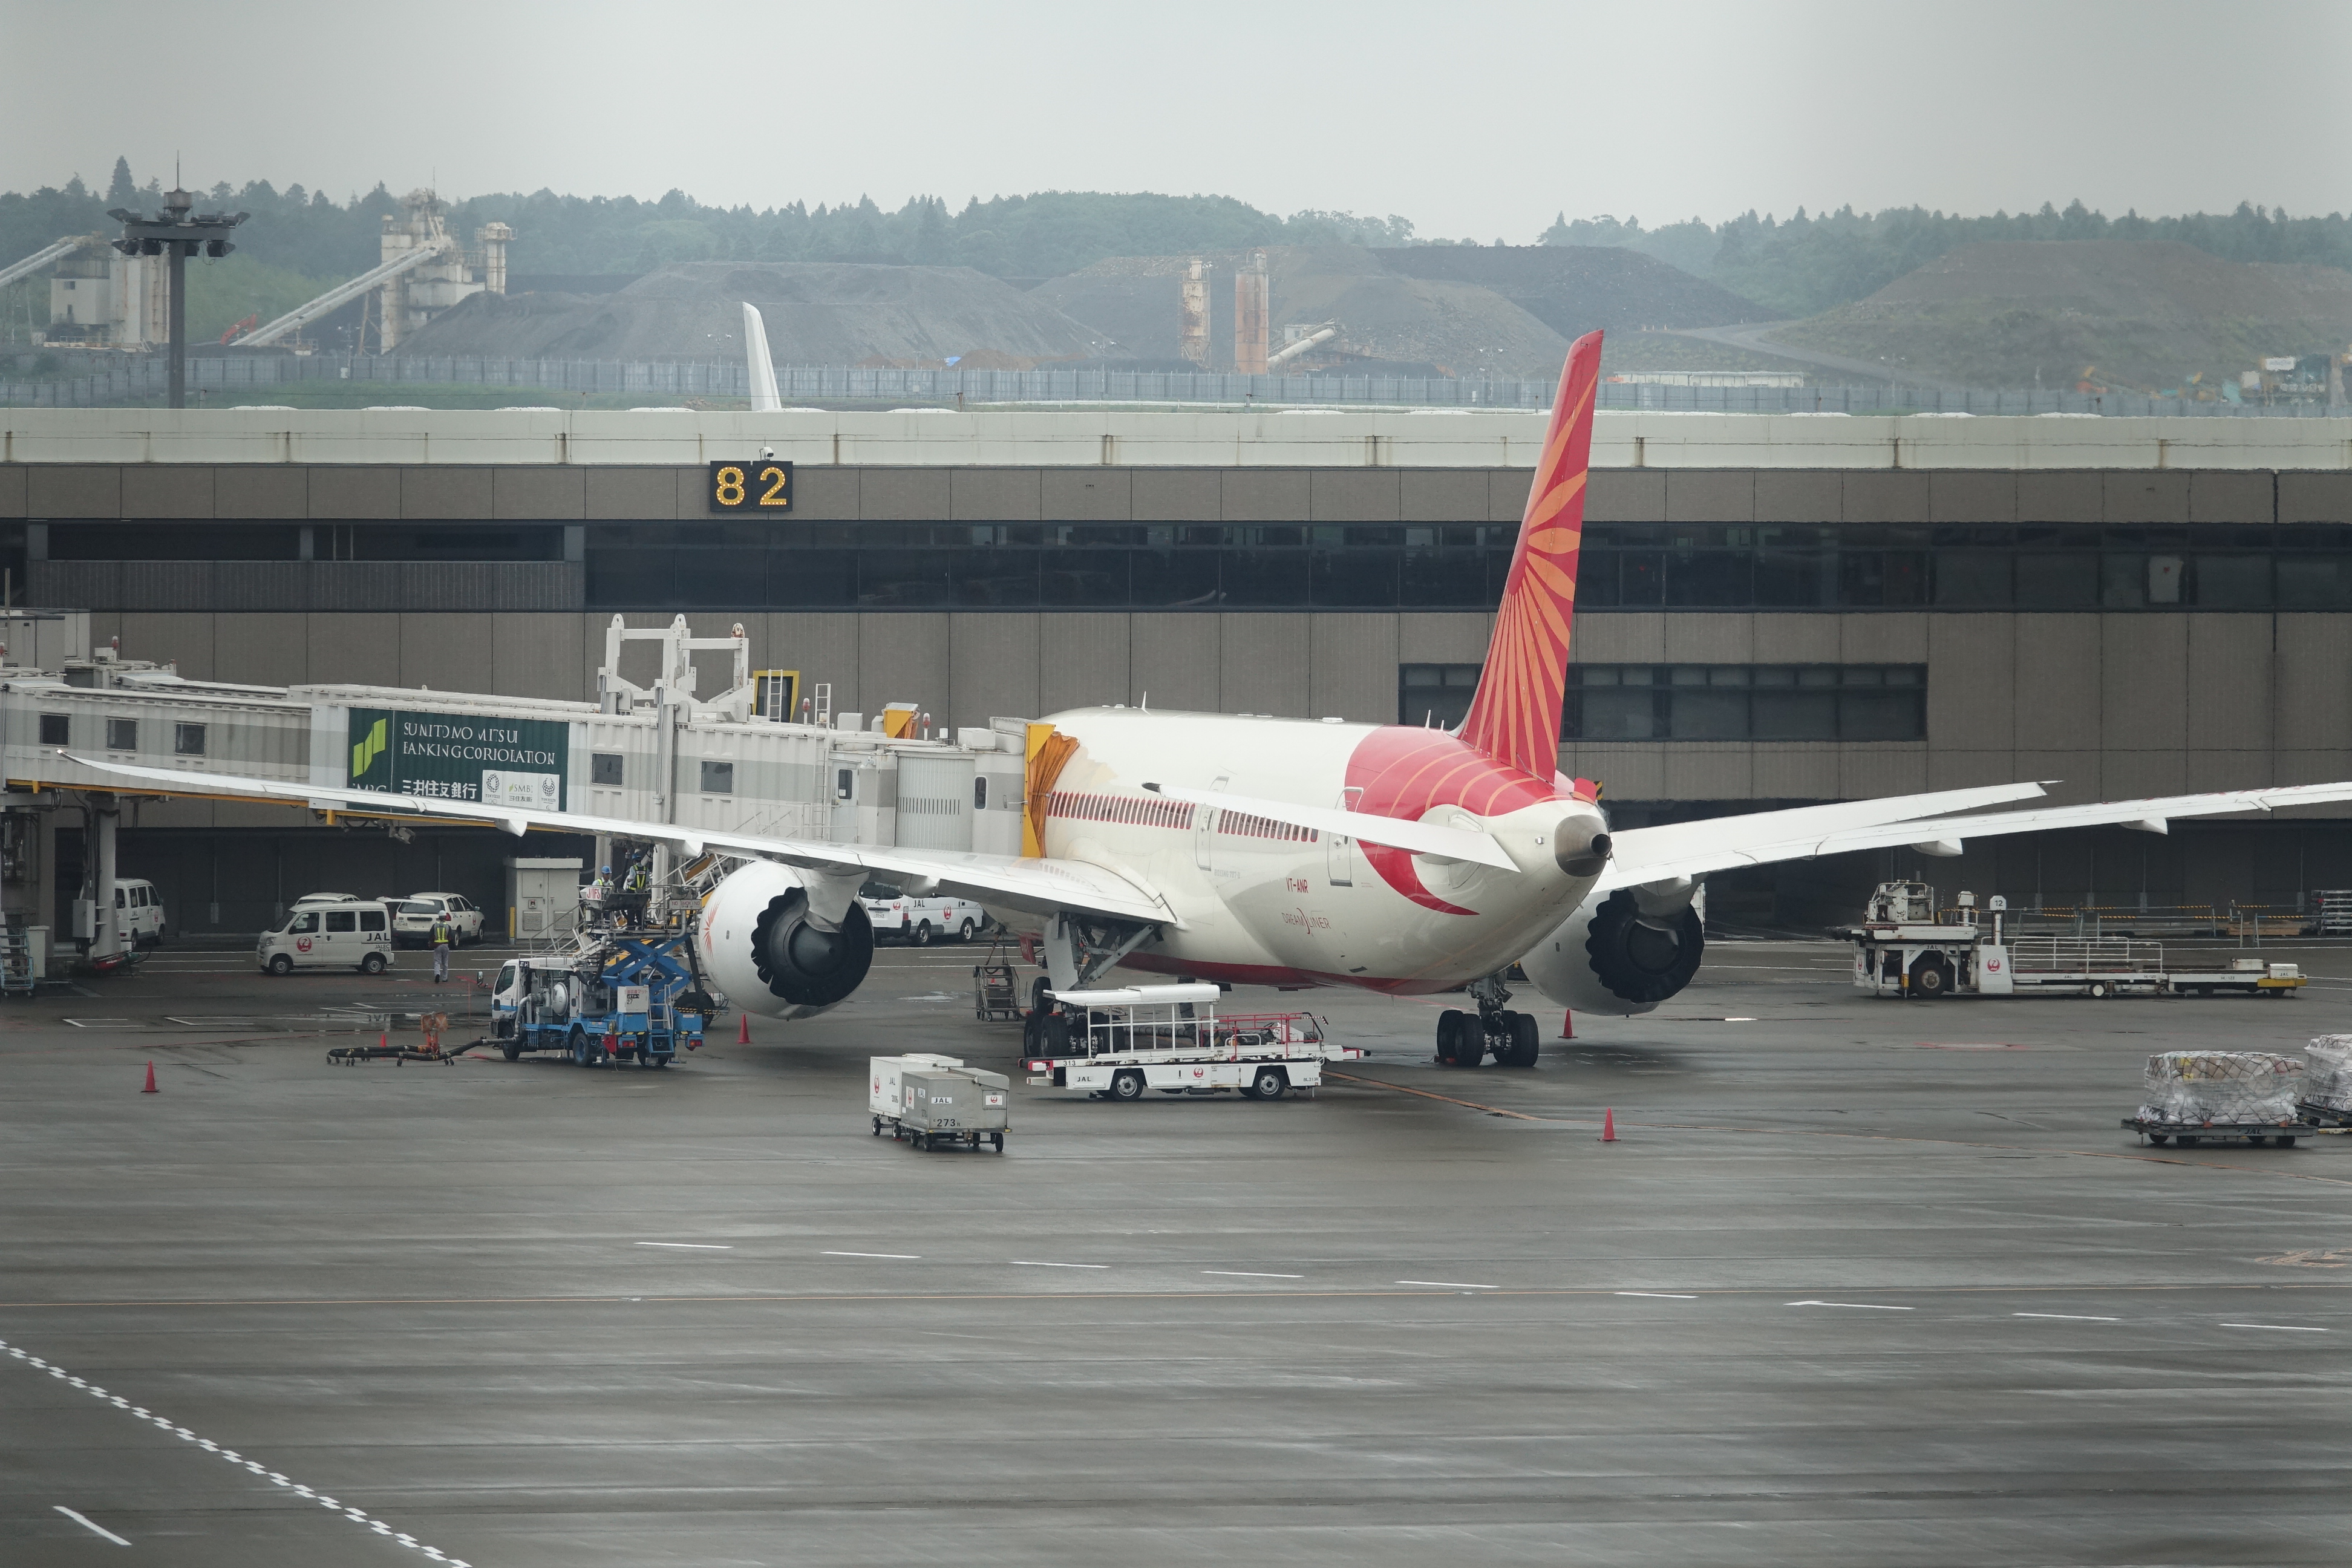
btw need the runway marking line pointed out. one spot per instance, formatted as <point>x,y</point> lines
<point>895,1256</point>
<point>1857,1306</point>
<point>1249,1274</point>
<point>1658,1295</point>
<point>2068,1317</point>
<point>2282,1328</point>
<point>1029,1263</point>
<point>688,1246</point>
<point>88,1524</point>
<point>1450,1284</point>
<point>164,1424</point>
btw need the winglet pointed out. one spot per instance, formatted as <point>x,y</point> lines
<point>1514,716</point>
<point>765,398</point>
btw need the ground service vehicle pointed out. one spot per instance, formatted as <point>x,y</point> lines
<point>1397,858</point>
<point>139,912</point>
<point>1908,946</point>
<point>346,935</point>
<point>895,912</point>
<point>413,917</point>
<point>1116,1043</point>
<point>620,999</point>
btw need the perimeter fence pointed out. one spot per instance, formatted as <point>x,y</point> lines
<point>147,377</point>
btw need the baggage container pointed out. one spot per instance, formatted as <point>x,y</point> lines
<point>930,1099</point>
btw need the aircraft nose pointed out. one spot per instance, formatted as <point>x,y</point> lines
<point>1580,850</point>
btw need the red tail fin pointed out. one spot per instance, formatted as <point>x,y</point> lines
<point>1514,717</point>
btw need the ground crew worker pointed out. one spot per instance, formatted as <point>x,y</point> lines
<point>637,876</point>
<point>441,950</point>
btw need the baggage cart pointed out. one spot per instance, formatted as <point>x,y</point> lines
<point>996,989</point>
<point>931,1101</point>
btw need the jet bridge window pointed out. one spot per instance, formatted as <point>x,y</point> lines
<point>188,740</point>
<point>719,778</point>
<point>122,734</point>
<point>605,769</point>
<point>54,729</point>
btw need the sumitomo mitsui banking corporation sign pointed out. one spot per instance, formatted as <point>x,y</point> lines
<point>456,756</point>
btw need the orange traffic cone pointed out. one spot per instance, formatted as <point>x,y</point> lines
<point>743,1030</point>
<point>1609,1127</point>
<point>1568,1025</point>
<point>150,1080</point>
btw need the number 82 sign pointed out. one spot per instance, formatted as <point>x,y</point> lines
<point>750,486</point>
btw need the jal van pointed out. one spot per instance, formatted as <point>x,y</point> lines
<point>355,934</point>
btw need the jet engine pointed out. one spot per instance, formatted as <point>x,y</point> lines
<point>777,953</point>
<point>1623,952</point>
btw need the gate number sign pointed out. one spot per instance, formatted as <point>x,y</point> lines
<point>750,486</point>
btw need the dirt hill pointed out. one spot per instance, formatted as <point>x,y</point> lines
<point>2146,313</point>
<point>817,313</point>
<point>1574,289</point>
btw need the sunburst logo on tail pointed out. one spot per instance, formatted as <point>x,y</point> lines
<point>1514,716</point>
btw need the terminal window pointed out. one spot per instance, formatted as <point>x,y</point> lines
<point>1647,566</point>
<point>1701,701</point>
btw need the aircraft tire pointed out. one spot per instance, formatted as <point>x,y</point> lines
<point>1526,1041</point>
<point>1449,1029</point>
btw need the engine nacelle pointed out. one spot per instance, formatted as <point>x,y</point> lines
<point>1621,952</point>
<point>760,945</point>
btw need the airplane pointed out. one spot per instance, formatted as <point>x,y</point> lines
<point>1410,860</point>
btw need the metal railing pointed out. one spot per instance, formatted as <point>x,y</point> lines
<point>148,376</point>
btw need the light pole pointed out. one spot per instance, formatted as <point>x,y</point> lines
<point>177,233</point>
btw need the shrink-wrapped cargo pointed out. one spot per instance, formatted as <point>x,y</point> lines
<point>2220,1086</point>
<point>2327,1073</point>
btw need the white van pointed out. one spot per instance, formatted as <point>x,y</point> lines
<point>354,933</point>
<point>139,912</point>
<point>921,920</point>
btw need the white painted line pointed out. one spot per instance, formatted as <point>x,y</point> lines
<point>899,1256</point>
<point>164,1424</point>
<point>2282,1328</point>
<point>86,1524</point>
<point>1249,1274</point>
<point>1740,1020</point>
<point>688,1246</point>
<point>2067,1317</point>
<point>1857,1306</point>
<point>1658,1295</point>
<point>1450,1284</point>
<point>1026,1263</point>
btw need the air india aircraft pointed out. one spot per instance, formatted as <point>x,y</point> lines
<point>1288,852</point>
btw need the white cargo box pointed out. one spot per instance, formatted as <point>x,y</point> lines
<point>884,1072</point>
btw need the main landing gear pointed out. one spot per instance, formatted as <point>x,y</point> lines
<point>1463,1039</point>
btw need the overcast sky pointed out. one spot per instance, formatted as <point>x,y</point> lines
<point>1475,121</point>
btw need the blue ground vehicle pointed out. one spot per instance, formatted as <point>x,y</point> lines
<point>624,998</point>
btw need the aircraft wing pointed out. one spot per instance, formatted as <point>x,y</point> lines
<point>1039,885</point>
<point>1645,854</point>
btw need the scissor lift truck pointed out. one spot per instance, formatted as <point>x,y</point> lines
<point>1908,946</point>
<point>611,1000</point>
<point>1124,1042</point>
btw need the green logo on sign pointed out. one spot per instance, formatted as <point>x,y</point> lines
<point>363,755</point>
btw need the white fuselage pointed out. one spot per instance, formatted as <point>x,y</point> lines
<point>1256,899</point>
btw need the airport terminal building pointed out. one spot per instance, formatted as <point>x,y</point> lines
<point>1772,609</point>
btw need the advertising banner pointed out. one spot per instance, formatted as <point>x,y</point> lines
<point>461,756</point>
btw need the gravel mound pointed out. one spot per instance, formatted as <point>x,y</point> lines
<point>2149,313</point>
<point>817,313</point>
